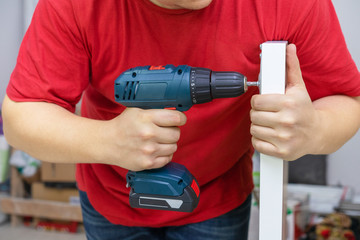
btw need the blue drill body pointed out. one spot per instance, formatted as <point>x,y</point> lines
<point>166,87</point>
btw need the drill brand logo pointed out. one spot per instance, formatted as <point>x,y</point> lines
<point>158,67</point>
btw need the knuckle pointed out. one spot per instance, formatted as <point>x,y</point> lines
<point>290,103</point>
<point>288,122</point>
<point>147,165</point>
<point>144,115</point>
<point>284,136</point>
<point>148,149</point>
<point>147,134</point>
<point>137,112</point>
<point>284,153</point>
<point>165,160</point>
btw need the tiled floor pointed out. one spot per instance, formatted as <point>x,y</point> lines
<point>28,233</point>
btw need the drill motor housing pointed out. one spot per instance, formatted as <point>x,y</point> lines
<point>179,87</point>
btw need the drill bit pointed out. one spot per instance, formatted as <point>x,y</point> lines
<point>251,84</point>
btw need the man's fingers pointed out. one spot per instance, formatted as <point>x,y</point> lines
<point>168,118</point>
<point>267,102</point>
<point>167,135</point>
<point>263,133</point>
<point>262,118</point>
<point>160,162</point>
<point>156,162</point>
<point>264,147</point>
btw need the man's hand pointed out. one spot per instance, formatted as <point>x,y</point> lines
<point>291,125</point>
<point>142,139</point>
<point>286,126</point>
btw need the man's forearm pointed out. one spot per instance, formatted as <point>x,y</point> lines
<point>339,121</point>
<point>49,132</point>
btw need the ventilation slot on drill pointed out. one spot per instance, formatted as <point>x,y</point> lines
<point>130,90</point>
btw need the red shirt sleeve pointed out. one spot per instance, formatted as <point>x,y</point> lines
<point>53,63</point>
<point>326,64</point>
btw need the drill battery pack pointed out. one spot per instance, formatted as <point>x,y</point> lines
<point>168,188</point>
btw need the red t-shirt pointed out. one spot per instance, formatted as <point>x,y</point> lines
<point>81,47</point>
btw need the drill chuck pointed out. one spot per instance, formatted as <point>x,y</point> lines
<point>227,84</point>
<point>207,85</point>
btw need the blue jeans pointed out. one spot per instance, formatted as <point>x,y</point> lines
<point>230,226</point>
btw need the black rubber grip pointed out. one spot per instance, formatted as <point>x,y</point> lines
<point>227,84</point>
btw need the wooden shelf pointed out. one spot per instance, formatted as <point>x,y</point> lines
<point>18,206</point>
<point>41,209</point>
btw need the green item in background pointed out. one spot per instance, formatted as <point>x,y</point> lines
<point>4,159</point>
<point>256,178</point>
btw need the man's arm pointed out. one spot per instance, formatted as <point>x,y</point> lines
<point>136,139</point>
<point>290,126</point>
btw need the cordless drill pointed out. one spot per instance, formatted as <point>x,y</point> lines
<point>171,187</point>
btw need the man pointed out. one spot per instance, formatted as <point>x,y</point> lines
<point>76,49</point>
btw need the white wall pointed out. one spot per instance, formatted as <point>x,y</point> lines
<point>11,32</point>
<point>344,165</point>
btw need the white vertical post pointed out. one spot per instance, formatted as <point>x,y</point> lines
<point>272,170</point>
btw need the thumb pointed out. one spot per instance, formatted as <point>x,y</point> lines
<point>293,71</point>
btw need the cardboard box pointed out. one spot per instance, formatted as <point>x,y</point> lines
<point>58,172</point>
<point>39,191</point>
